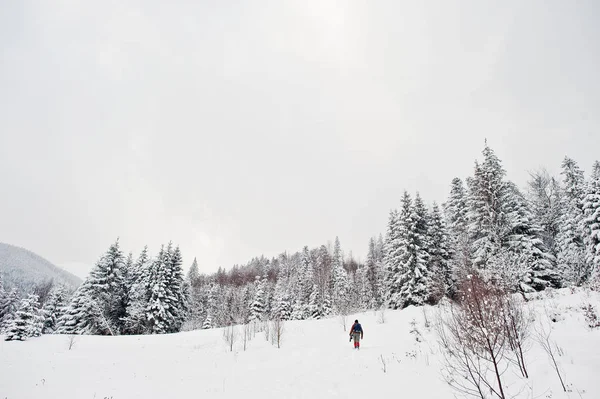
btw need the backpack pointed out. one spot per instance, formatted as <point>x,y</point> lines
<point>357,328</point>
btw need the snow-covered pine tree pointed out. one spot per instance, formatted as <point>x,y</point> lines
<point>96,306</point>
<point>196,307</point>
<point>323,267</point>
<point>157,314</point>
<point>8,309</point>
<point>54,308</point>
<point>315,305</point>
<point>135,313</point>
<point>415,279</point>
<point>9,303</point>
<point>105,284</point>
<point>282,309</point>
<point>439,251</point>
<point>544,197</point>
<point>178,305</point>
<point>257,309</point>
<point>373,278</point>
<point>569,240</point>
<point>340,283</point>
<point>28,321</point>
<point>167,304</point>
<point>80,316</point>
<point>3,294</point>
<point>591,225</point>
<point>380,250</point>
<point>327,304</point>
<point>524,240</point>
<point>207,322</point>
<point>361,291</point>
<point>456,214</point>
<point>394,251</point>
<point>487,214</point>
<point>193,274</point>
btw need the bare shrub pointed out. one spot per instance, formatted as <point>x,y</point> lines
<point>71,340</point>
<point>473,340</point>
<point>425,317</point>
<point>277,330</point>
<point>517,325</point>
<point>230,335</point>
<point>383,363</point>
<point>543,337</point>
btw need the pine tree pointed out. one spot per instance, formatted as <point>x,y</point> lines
<point>327,305</point>
<point>456,214</point>
<point>54,308</point>
<point>83,314</point>
<point>380,250</point>
<point>415,278</point>
<point>439,250</point>
<point>340,284</point>
<point>544,197</point>
<point>97,305</point>
<point>106,284</point>
<point>3,295</point>
<point>315,305</point>
<point>196,308</point>
<point>394,251</point>
<point>591,225</point>
<point>28,321</point>
<point>570,246</point>
<point>283,308</point>
<point>167,304</point>
<point>178,305</point>
<point>373,278</point>
<point>361,290</point>
<point>207,322</point>
<point>135,313</point>
<point>525,240</point>
<point>194,274</point>
<point>257,309</point>
<point>487,216</point>
<point>9,304</point>
<point>157,311</point>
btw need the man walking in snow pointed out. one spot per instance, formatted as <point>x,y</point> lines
<point>356,332</point>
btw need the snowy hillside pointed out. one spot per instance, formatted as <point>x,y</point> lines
<point>398,358</point>
<point>22,268</point>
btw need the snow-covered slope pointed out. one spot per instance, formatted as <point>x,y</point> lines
<point>24,269</point>
<point>315,361</point>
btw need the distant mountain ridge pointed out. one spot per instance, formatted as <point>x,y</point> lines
<point>24,269</point>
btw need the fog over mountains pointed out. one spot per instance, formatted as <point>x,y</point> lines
<point>24,269</point>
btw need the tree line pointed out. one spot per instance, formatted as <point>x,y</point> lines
<point>547,235</point>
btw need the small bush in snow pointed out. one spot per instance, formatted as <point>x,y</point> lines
<point>591,316</point>
<point>415,331</point>
<point>71,341</point>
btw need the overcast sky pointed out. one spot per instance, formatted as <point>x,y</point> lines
<point>240,128</point>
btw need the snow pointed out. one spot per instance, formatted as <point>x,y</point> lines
<point>316,360</point>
